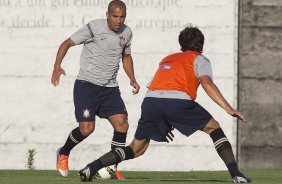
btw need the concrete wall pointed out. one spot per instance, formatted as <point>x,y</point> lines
<point>260,86</point>
<point>34,114</point>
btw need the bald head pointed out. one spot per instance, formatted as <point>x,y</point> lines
<point>116,4</point>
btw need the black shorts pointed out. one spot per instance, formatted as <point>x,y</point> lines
<point>158,114</point>
<point>91,100</point>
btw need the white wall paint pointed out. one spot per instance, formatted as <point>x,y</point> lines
<point>34,114</point>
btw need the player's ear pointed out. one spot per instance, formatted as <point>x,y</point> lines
<point>107,15</point>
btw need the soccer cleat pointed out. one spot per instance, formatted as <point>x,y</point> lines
<point>241,178</point>
<point>62,164</point>
<point>85,174</point>
<point>118,175</point>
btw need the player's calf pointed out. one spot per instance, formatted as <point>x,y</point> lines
<point>224,150</point>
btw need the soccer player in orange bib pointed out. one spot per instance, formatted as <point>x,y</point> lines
<point>170,103</point>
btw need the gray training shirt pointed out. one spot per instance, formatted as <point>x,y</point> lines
<point>102,51</point>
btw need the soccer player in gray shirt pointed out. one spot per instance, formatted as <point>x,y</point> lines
<point>105,43</point>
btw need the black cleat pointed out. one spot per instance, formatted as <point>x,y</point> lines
<point>85,174</point>
<point>241,178</point>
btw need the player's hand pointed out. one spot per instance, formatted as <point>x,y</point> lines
<point>236,114</point>
<point>57,72</point>
<point>135,86</point>
<point>169,135</point>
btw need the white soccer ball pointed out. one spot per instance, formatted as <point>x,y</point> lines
<point>105,173</point>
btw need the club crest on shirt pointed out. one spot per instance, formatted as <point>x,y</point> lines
<point>86,113</point>
<point>122,41</point>
<point>165,67</point>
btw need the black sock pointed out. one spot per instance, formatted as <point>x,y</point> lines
<point>113,157</point>
<point>74,138</point>
<point>118,140</point>
<point>224,149</point>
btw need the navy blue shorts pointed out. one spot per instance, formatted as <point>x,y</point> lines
<point>158,114</point>
<point>91,100</point>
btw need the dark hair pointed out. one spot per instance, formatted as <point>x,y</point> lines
<point>191,38</point>
<point>117,3</point>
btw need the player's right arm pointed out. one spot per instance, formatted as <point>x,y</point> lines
<point>214,93</point>
<point>82,35</point>
<point>58,71</point>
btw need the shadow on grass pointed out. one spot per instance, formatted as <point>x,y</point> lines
<point>149,180</point>
<point>194,180</point>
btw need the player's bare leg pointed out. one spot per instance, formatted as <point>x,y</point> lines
<point>139,146</point>
<point>75,137</point>
<point>224,150</point>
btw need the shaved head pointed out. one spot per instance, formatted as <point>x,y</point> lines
<point>116,4</point>
<point>116,15</point>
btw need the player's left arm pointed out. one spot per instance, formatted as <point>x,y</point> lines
<point>203,71</point>
<point>127,62</point>
<point>214,93</point>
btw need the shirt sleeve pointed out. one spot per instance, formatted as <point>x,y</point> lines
<point>202,66</point>
<point>82,34</point>
<point>127,48</point>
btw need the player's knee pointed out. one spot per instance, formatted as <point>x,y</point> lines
<point>122,126</point>
<point>119,122</point>
<point>86,130</point>
<point>211,126</point>
<point>125,126</point>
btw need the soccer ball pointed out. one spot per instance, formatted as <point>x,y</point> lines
<point>105,173</point>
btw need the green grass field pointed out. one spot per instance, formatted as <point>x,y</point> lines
<point>213,177</point>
